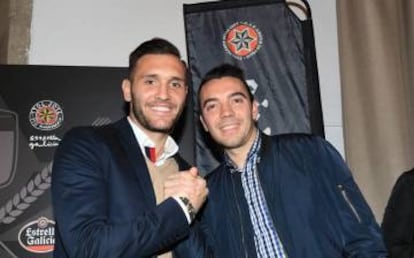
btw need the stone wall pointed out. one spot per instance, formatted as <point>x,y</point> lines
<point>15,22</point>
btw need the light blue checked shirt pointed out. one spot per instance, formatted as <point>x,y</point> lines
<point>266,239</point>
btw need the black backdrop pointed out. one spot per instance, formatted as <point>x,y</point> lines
<point>38,104</point>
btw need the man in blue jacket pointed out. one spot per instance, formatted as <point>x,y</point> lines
<point>117,190</point>
<point>282,196</point>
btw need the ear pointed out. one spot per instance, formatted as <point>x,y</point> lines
<point>203,123</point>
<point>255,110</point>
<point>126,90</point>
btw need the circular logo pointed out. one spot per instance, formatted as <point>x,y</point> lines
<point>38,236</point>
<point>46,115</point>
<point>242,40</point>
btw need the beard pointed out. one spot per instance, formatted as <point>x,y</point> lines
<point>149,125</point>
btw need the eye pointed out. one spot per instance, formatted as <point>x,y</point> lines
<point>210,106</point>
<point>238,100</point>
<point>177,84</point>
<point>149,81</point>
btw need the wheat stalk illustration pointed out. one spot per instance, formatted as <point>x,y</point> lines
<point>27,195</point>
<point>34,188</point>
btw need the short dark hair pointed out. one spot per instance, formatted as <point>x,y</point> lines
<point>225,70</point>
<point>152,46</point>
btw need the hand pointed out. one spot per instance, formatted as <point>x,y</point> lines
<point>187,184</point>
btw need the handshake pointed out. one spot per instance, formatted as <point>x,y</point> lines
<point>187,185</point>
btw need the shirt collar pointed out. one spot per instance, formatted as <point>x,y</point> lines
<point>253,153</point>
<point>170,147</point>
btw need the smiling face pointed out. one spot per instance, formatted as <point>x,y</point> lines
<point>227,113</point>
<point>156,92</point>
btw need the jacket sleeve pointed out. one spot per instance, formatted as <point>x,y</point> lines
<point>398,222</point>
<point>80,205</point>
<point>196,244</point>
<point>361,234</point>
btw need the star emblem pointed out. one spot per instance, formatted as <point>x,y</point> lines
<point>242,40</point>
<point>46,115</point>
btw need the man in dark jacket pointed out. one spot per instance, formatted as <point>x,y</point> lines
<point>281,196</point>
<point>117,190</point>
<point>398,222</point>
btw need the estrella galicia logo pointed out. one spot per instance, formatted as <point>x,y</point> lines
<point>38,236</point>
<point>242,40</point>
<point>46,115</point>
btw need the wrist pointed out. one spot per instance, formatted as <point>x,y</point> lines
<point>190,208</point>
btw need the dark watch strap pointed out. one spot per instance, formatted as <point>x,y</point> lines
<point>190,207</point>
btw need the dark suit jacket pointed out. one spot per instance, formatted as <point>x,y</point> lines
<point>398,222</point>
<point>103,199</point>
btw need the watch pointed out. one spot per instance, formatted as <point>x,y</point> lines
<point>190,207</point>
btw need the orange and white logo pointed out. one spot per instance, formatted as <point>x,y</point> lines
<point>46,115</point>
<point>242,40</point>
<point>38,236</point>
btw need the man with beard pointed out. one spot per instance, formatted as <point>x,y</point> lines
<point>277,196</point>
<point>122,190</point>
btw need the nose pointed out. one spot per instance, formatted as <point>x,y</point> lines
<point>227,109</point>
<point>163,92</point>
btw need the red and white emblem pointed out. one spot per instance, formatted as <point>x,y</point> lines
<point>46,115</point>
<point>242,40</point>
<point>38,236</point>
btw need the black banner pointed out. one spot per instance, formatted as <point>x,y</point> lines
<point>38,104</point>
<point>276,50</point>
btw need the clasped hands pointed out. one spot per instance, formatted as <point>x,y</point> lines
<point>187,184</point>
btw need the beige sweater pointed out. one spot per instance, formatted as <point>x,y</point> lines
<point>158,177</point>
